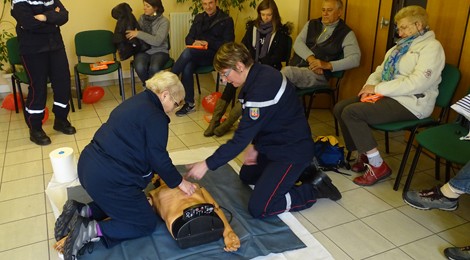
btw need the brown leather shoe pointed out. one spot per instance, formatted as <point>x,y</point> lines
<point>360,166</point>
<point>373,175</point>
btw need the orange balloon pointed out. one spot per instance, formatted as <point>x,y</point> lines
<point>46,115</point>
<point>209,101</point>
<point>92,94</point>
<point>9,102</point>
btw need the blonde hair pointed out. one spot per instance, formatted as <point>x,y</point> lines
<point>166,81</point>
<point>229,54</point>
<point>414,13</point>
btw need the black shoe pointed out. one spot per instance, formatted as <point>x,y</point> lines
<point>64,126</point>
<point>458,253</point>
<point>83,232</point>
<point>324,187</point>
<point>71,207</point>
<point>186,109</point>
<point>39,137</point>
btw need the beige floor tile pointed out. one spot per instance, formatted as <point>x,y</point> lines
<point>397,227</point>
<point>22,208</point>
<point>305,222</point>
<point>39,250</point>
<point>362,203</point>
<point>23,232</point>
<point>326,214</point>
<point>175,143</point>
<point>428,248</point>
<point>185,128</point>
<point>24,156</point>
<point>391,255</point>
<point>86,133</point>
<point>358,240</point>
<point>384,190</point>
<point>87,123</point>
<point>4,126</point>
<point>19,145</point>
<point>434,220</point>
<point>22,133</point>
<point>193,139</point>
<point>331,246</point>
<point>458,236</point>
<point>22,188</point>
<point>21,171</point>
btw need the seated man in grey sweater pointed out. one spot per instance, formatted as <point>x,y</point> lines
<point>324,45</point>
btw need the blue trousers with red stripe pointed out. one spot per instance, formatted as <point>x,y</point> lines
<point>275,191</point>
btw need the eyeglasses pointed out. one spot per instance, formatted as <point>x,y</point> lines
<point>225,74</point>
<point>404,27</point>
<point>176,104</point>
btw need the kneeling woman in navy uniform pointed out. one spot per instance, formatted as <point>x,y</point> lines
<point>118,164</point>
<point>281,143</point>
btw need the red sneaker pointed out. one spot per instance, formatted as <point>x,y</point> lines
<point>360,164</point>
<point>373,175</point>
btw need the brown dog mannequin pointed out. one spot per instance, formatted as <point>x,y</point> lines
<point>170,203</point>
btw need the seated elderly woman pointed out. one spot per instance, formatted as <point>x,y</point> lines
<point>171,203</point>
<point>403,87</point>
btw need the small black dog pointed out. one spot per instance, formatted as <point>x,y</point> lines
<point>126,21</point>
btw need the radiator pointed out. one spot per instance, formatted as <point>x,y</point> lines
<point>179,28</point>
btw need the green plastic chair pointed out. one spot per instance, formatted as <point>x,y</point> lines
<point>312,91</point>
<point>167,65</point>
<point>205,70</point>
<point>443,141</point>
<point>450,80</point>
<point>95,43</point>
<point>20,76</point>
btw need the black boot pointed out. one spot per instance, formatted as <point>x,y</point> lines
<point>219,111</point>
<point>64,126</point>
<point>234,115</point>
<point>39,137</point>
<point>324,187</point>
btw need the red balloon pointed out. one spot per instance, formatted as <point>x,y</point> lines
<point>209,101</point>
<point>46,115</point>
<point>92,94</point>
<point>9,102</point>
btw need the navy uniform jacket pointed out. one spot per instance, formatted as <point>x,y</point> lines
<point>132,143</point>
<point>35,36</point>
<point>272,119</point>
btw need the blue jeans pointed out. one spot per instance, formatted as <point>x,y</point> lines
<point>461,181</point>
<point>187,63</point>
<point>147,65</point>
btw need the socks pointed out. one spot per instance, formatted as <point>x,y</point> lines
<point>450,192</point>
<point>375,159</point>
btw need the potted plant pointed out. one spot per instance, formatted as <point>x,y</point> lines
<point>5,33</point>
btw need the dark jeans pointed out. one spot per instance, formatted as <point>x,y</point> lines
<point>147,65</point>
<point>186,64</point>
<point>354,118</point>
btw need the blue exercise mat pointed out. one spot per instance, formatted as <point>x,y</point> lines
<point>259,237</point>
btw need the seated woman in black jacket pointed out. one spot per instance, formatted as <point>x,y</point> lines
<point>267,40</point>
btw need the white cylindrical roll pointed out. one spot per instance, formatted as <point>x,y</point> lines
<point>63,164</point>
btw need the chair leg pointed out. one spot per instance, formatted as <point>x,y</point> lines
<point>78,89</point>
<point>333,103</point>
<point>132,78</point>
<point>404,159</point>
<point>387,144</point>
<point>198,84</point>
<point>448,166</point>
<point>437,167</point>
<point>121,84</point>
<point>309,107</point>
<point>412,169</point>
<point>217,83</point>
<point>13,86</point>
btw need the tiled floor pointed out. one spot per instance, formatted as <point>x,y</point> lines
<point>367,223</point>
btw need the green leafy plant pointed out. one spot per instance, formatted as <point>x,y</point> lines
<point>225,5</point>
<point>5,34</point>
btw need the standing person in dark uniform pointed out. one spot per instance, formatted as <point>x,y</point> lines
<point>267,40</point>
<point>273,122</point>
<point>209,31</point>
<point>118,164</point>
<point>43,53</point>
